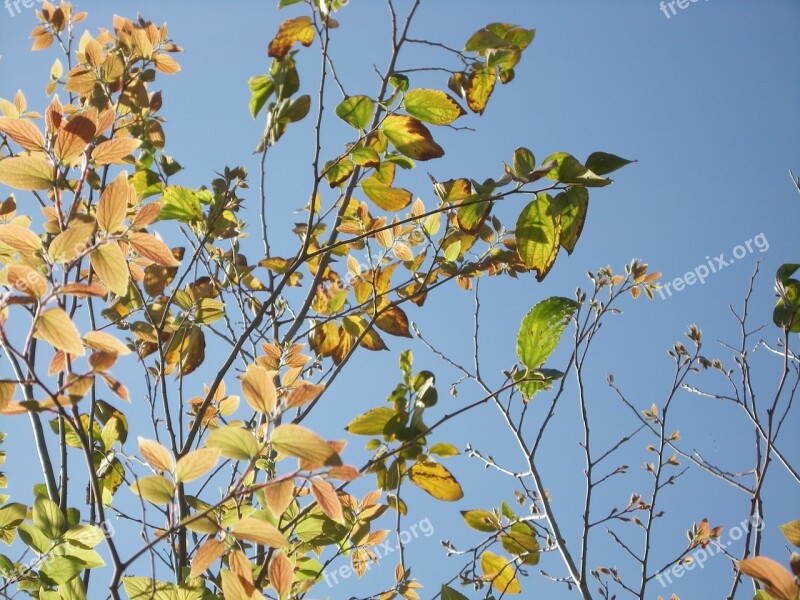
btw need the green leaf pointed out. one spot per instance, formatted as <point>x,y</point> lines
<point>524,162</point>
<point>443,449</point>
<point>448,593</point>
<point>603,163</point>
<point>61,569</point>
<point>87,536</point>
<point>49,518</point>
<point>436,480</point>
<point>411,137</point>
<point>155,488</point>
<point>338,172</point>
<point>472,217</point>
<point>572,206</point>
<point>34,538</point>
<point>481,520</point>
<point>542,329</point>
<point>386,197</point>
<point>356,111</point>
<point>295,110</point>
<point>538,233</point>
<point>261,89</point>
<point>432,106</point>
<point>568,170</point>
<point>234,443</point>
<point>372,422</point>
<point>479,87</point>
<point>180,204</point>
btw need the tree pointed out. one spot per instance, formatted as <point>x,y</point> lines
<point>245,499</point>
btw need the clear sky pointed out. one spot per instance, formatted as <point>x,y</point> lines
<point>706,101</point>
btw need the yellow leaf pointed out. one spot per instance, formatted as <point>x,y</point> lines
<point>196,464</point>
<point>259,390</point>
<point>113,204</point>
<point>156,455</point>
<point>70,243</point>
<point>501,573</point>
<point>56,328</point>
<point>23,132</point>
<point>297,441</point>
<point>411,137</point>
<point>260,532</point>
<point>289,32</point>
<point>206,556</point>
<point>112,152</point>
<point>151,247</point>
<point>109,263</point>
<point>384,196</point>
<point>479,87</point>
<point>105,342</point>
<point>33,172</point>
<point>166,64</point>
<point>25,280</point>
<point>436,480</point>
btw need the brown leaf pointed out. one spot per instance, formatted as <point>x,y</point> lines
<point>281,574</point>
<point>73,138</point>
<point>206,556</point>
<point>327,499</point>
<point>393,321</point>
<point>23,132</point>
<point>289,32</point>
<point>26,280</point>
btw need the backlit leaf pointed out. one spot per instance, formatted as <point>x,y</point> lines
<point>233,442</point>
<point>570,171</point>
<point>388,198</point>
<point>113,204</point>
<point>538,235</point>
<point>500,572</point>
<point>327,499</point>
<point>281,574</point>
<point>260,532</point>
<point>23,132</point>
<point>542,328</point>
<point>33,172</point>
<point>572,206</point>
<point>372,422</point>
<point>291,31</point>
<point>156,455</point>
<point>778,581</point>
<point>432,106</point>
<point>112,152</point>
<point>297,441</point>
<point>411,137</point>
<point>109,263</point>
<point>151,247</point>
<point>206,555</point>
<point>356,111</point>
<point>56,328</point>
<point>73,138</point>
<point>436,480</point>
<point>154,488</point>
<point>480,85</point>
<point>196,464</point>
<point>259,390</point>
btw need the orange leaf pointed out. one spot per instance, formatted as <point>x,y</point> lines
<point>289,32</point>
<point>166,64</point>
<point>206,556</point>
<point>281,574</point>
<point>279,496</point>
<point>73,138</point>
<point>327,499</point>
<point>113,204</point>
<point>156,455</point>
<point>151,247</point>
<point>259,390</point>
<point>779,582</point>
<point>23,132</point>
<point>112,152</point>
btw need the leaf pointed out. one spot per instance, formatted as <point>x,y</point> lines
<point>19,238</point>
<point>105,342</point>
<point>436,480</point>
<point>498,570</point>
<point>386,197</point>
<point>73,138</point>
<point>481,520</point>
<point>151,247</point>
<point>87,536</point>
<point>791,532</point>
<point>356,111</point>
<point>448,593</point>
<point>291,31</point>
<point>196,464</point>
<point>234,443</point>
<point>303,393</point>
<point>109,263</point>
<point>47,516</point>
<point>32,172</point>
<point>113,204</point>
<point>297,441</point>
<point>260,532</point>
<point>568,170</point>
<point>261,88</point>
<point>572,206</point>
<point>57,329</point>
<point>154,488</point>
<point>206,555</point>
<point>602,163</point>
<point>156,455</point>
<point>279,496</point>
<point>327,499</point>
<point>281,574</point>
<point>538,235</point>
<point>432,106</point>
<point>411,137</point>
<point>542,329</point>
<point>472,217</point>
<point>23,132</point>
<point>259,390</point>
<point>112,152</point>
<point>393,321</point>
<point>70,243</point>
<point>443,449</point>
<point>180,204</point>
<point>372,422</point>
<point>479,87</point>
<point>778,581</point>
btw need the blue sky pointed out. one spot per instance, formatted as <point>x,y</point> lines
<point>705,100</point>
